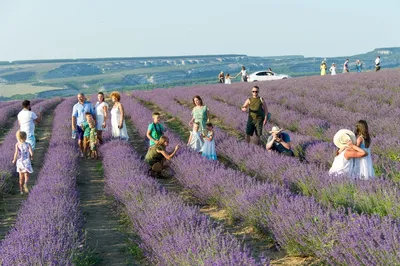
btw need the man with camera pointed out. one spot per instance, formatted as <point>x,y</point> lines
<point>279,141</point>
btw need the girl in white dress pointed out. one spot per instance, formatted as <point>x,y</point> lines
<point>23,150</point>
<point>208,149</point>
<point>363,167</point>
<point>333,69</point>
<point>195,142</point>
<point>118,125</point>
<point>228,79</point>
<point>101,108</point>
<point>343,164</point>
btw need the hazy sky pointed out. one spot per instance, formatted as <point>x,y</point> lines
<point>39,29</point>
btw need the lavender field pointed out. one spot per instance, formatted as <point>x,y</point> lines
<point>306,216</point>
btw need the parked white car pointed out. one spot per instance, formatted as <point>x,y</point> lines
<point>266,75</point>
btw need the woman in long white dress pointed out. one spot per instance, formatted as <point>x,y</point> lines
<point>118,125</point>
<point>101,108</point>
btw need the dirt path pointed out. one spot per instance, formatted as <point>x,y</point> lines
<point>10,204</point>
<point>105,237</point>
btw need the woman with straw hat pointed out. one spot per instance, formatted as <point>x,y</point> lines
<point>345,141</point>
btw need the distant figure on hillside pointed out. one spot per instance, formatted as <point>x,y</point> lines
<point>78,118</point>
<point>279,141</point>
<point>333,69</point>
<point>200,113</point>
<point>27,120</point>
<point>243,74</point>
<point>258,115</point>
<point>118,118</point>
<point>377,63</point>
<point>346,66</point>
<point>221,77</point>
<point>101,108</point>
<point>22,158</point>
<point>323,68</point>
<point>208,149</point>
<point>157,155</point>
<point>363,167</point>
<point>228,79</point>
<point>358,66</point>
<point>343,164</point>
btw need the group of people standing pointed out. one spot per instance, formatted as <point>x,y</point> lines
<point>88,122</point>
<point>227,79</point>
<point>332,69</point>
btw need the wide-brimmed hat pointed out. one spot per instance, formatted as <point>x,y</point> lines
<point>275,129</point>
<point>342,137</point>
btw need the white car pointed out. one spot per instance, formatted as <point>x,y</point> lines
<point>266,75</point>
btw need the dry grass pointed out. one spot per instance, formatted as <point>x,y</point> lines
<point>23,88</point>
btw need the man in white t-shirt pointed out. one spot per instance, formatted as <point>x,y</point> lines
<point>27,120</point>
<point>378,63</point>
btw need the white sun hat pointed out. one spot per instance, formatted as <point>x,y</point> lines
<point>342,137</point>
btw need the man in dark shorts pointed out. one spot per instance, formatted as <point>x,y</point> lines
<point>257,115</point>
<point>78,118</point>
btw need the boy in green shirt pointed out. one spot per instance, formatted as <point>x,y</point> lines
<point>155,130</point>
<point>86,132</point>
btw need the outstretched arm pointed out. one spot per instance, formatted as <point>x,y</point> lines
<point>245,105</point>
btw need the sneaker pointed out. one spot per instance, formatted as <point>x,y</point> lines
<point>22,193</point>
<point>81,154</point>
<point>26,189</point>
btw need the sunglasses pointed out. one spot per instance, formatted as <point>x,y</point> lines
<point>255,91</point>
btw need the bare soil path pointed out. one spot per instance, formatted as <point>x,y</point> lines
<point>106,237</point>
<point>10,204</point>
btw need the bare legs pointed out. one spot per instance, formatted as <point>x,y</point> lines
<point>23,182</point>
<point>256,139</point>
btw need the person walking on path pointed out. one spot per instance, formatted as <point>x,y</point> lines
<point>221,77</point>
<point>243,74</point>
<point>79,117</point>
<point>346,66</point>
<point>24,153</point>
<point>358,66</point>
<point>323,68</point>
<point>258,115</point>
<point>200,113</point>
<point>343,164</point>
<point>333,69</point>
<point>118,118</point>
<point>377,63</point>
<point>101,108</point>
<point>27,120</point>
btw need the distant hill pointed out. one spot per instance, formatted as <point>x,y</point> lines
<point>92,74</point>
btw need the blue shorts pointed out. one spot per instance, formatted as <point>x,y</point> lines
<point>79,133</point>
<point>31,140</point>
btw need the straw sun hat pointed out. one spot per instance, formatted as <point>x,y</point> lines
<point>342,137</point>
<point>275,129</point>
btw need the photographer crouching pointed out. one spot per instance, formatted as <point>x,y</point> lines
<point>279,141</point>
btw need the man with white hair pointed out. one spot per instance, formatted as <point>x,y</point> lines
<point>279,141</point>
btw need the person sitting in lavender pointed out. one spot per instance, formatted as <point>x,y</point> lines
<point>279,141</point>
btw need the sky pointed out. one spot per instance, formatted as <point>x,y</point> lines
<point>52,29</point>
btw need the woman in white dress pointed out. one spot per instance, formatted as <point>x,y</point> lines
<point>228,79</point>
<point>333,69</point>
<point>343,164</point>
<point>101,108</point>
<point>363,167</point>
<point>118,125</point>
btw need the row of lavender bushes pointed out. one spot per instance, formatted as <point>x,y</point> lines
<point>7,169</point>
<point>48,230</point>
<point>374,196</point>
<point>299,224</point>
<point>171,232</point>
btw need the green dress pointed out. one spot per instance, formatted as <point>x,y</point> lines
<point>200,115</point>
